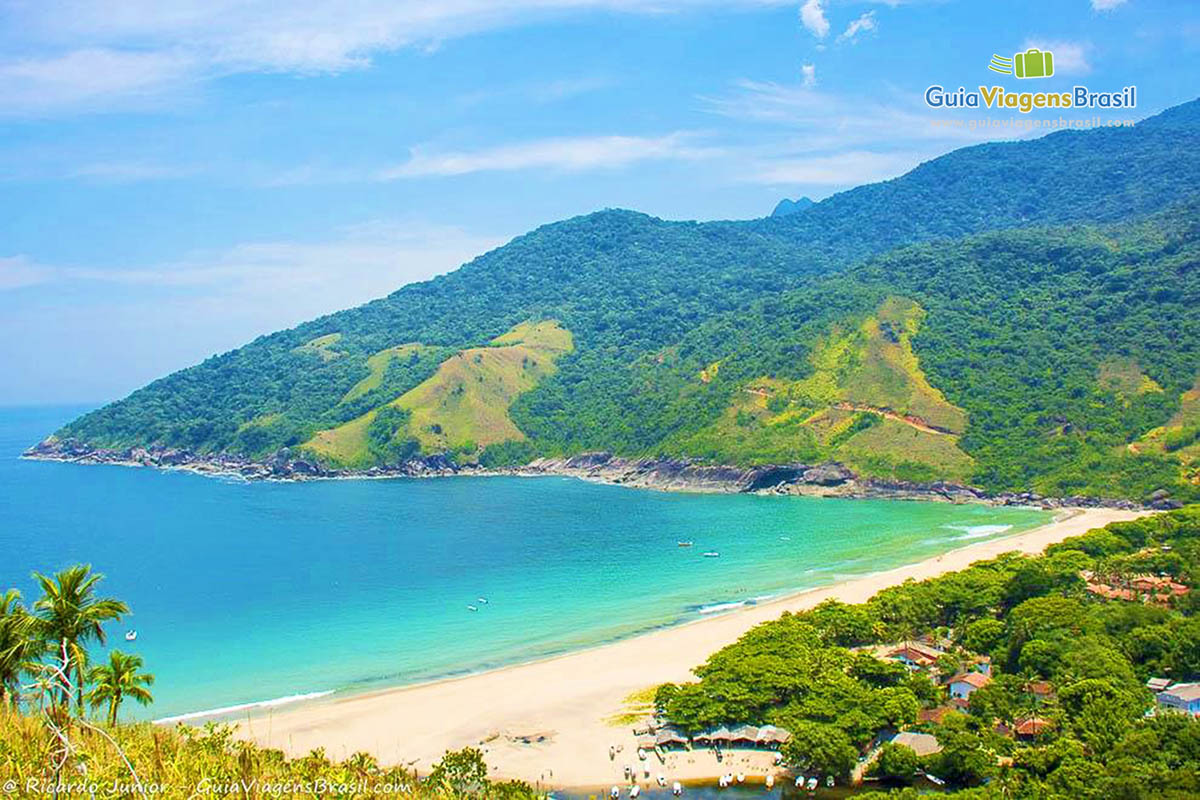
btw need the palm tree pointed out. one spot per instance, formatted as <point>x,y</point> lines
<point>118,679</point>
<point>17,644</point>
<point>69,615</point>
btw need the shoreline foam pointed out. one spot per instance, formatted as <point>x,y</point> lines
<point>566,699</point>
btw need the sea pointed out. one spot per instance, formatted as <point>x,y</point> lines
<point>253,595</point>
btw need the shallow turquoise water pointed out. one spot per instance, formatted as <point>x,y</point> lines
<point>248,592</point>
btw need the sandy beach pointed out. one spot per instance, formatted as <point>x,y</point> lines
<point>552,721</point>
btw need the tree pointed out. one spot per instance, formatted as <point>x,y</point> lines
<point>17,644</point>
<point>820,748</point>
<point>461,773</point>
<point>897,762</point>
<point>70,615</point>
<point>120,678</point>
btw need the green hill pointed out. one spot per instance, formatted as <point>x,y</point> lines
<point>926,327</point>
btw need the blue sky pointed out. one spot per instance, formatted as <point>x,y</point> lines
<point>180,176</point>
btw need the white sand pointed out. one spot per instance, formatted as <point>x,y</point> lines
<point>570,699</point>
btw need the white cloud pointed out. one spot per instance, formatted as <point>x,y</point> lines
<point>812,16</point>
<point>94,53</point>
<point>808,73</point>
<point>838,169</point>
<point>1070,58</point>
<point>88,76</point>
<point>865,23</point>
<point>208,302</point>
<point>571,154</point>
<point>833,140</point>
<point>1106,5</point>
<point>17,272</point>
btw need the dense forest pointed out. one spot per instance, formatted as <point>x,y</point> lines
<point>1038,295</point>
<point>1070,664</point>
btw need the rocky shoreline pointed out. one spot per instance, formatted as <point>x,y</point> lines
<point>662,474</point>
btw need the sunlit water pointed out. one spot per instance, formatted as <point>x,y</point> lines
<point>250,592</point>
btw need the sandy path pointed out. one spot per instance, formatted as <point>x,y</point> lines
<point>568,699</point>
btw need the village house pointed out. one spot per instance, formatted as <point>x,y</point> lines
<point>1181,697</point>
<point>1146,588</point>
<point>1032,728</point>
<point>1156,685</point>
<point>965,683</point>
<point>915,655</point>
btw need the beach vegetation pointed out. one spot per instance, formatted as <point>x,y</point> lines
<point>1061,671</point>
<point>67,617</point>
<point>119,680</point>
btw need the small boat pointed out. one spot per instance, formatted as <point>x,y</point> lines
<point>130,636</point>
<point>677,788</point>
<point>660,780</point>
<point>811,785</point>
<point>829,781</point>
<point>712,554</point>
<point>770,782</point>
<point>472,608</point>
<point>741,778</point>
<point>635,790</point>
<point>799,781</point>
<point>614,791</point>
<point>482,600</point>
<point>685,544</point>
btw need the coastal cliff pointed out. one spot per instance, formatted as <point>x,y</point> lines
<point>658,473</point>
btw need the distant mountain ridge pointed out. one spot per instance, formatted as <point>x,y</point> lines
<point>787,206</point>
<point>670,321</point>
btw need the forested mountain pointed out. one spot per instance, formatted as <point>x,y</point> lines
<point>1017,315</point>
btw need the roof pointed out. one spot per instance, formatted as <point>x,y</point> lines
<point>1158,684</point>
<point>923,744</point>
<point>669,736</point>
<point>770,733</point>
<point>935,714</point>
<point>924,650</point>
<point>1032,726</point>
<point>1183,691</point>
<point>747,732</point>
<point>1042,688</point>
<point>976,679</point>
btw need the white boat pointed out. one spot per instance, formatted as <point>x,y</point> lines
<point>741,778</point>
<point>829,781</point>
<point>770,782</point>
<point>635,790</point>
<point>685,544</point>
<point>660,780</point>
<point>130,636</point>
<point>472,608</point>
<point>482,600</point>
<point>812,784</point>
<point>677,788</point>
<point>614,791</point>
<point>712,554</point>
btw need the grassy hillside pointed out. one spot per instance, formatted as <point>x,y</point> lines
<point>132,760</point>
<point>460,408</point>
<point>1063,346</point>
<point>865,402</point>
<point>653,306</point>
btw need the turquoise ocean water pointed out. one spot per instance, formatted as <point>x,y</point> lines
<point>252,592</point>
